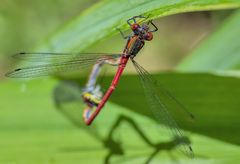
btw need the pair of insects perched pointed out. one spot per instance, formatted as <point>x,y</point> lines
<point>92,95</point>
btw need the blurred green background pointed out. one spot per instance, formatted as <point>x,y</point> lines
<point>195,55</point>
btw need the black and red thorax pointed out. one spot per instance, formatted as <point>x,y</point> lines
<point>137,40</point>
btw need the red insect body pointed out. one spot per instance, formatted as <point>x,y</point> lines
<point>123,62</point>
<point>135,42</point>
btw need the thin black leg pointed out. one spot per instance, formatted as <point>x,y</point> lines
<point>154,30</point>
<point>122,34</point>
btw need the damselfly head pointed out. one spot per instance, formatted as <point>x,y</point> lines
<point>145,27</point>
<point>135,26</point>
<point>148,36</point>
<point>142,31</point>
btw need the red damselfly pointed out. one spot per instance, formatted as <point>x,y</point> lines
<point>55,63</point>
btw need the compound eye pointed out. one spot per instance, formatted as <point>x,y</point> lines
<point>134,26</point>
<point>149,36</point>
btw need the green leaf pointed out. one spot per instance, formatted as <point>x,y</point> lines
<point>213,100</point>
<point>32,131</point>
<point>101,20</point>
<point>221,51</point>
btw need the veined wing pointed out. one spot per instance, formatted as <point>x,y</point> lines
<point>40,57</point>
<point>159,108</point>
<point>55,63</point>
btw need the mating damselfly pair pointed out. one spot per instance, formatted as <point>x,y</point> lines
<point>92,95</point>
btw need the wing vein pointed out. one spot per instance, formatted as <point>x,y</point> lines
<point>159,108</point>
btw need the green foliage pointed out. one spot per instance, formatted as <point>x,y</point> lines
<point>101,20</point>
<point>221,51</point>
<point>32,131</point>
<point>24,23</point>
<point>212,99</point>
<point>41,134</point>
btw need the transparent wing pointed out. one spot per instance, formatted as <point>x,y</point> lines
<point>58,57</point>
<point>159,107</point>
<point>55,63</point>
